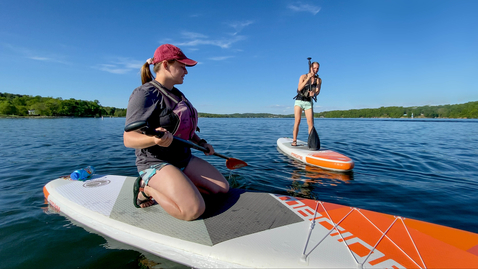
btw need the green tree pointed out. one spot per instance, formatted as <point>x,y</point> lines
<point>7,108</point>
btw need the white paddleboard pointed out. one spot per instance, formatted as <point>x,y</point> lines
<point>323,158</point>
<point>262,230</point>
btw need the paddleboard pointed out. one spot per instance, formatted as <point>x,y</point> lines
<point>323,158</point>
<point>262,230</point>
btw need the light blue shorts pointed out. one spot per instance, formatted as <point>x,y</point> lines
<point>147,174</point>
<point>303,104</point>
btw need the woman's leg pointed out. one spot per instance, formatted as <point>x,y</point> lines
<point>206,177</point>
<point>297,115</point>
<point>176,193</point>
<point>309,115</point>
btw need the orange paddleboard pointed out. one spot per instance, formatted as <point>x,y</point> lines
<point>324,158</point>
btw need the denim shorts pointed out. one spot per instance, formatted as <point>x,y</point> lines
<point>303,104</point>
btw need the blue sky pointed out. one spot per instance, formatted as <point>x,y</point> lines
<point>251,53</point>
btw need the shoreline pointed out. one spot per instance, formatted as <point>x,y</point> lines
<point>227,116</point>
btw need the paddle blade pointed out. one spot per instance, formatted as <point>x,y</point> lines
<point>233,163</point>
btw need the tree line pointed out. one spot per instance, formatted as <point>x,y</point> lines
<point>26,105</point>
<point>244,115</point>
<point>464,111</point>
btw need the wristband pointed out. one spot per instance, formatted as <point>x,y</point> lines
<point>202,142</point>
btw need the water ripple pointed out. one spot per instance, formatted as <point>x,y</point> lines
<point>424,169</point>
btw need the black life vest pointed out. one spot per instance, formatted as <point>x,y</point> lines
<point>303,94</point>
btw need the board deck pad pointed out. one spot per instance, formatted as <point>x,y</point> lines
<point>91,196</point>
<point>241,213</point>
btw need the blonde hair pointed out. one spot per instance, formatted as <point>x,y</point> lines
<point>146,75</point>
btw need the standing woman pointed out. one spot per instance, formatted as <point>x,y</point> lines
<point>309,86</point>
<point>169,174</point>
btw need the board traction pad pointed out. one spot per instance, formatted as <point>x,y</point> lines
<point>228,216</point>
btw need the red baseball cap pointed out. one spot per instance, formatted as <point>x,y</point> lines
<point>171,52</point>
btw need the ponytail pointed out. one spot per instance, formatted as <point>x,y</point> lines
<point>146,75</point>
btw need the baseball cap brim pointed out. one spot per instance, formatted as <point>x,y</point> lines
<point>187,62</point>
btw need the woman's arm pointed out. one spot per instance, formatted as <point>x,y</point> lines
<point>319,85</point>
<point>302,81</point>
<point>203,143</point>
<point>140,141</point>
<point>140,106</point>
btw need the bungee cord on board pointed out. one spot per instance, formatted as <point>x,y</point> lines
<point>384,235</point>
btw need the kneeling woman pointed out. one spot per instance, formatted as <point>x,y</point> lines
<point>170,174</point>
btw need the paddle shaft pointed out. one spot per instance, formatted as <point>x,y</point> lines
<point>310,70</point>
<point>160,134</point>
<point>142,126</point>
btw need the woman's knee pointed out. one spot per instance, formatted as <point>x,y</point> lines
<point>165,184</point>
<point>218,185</point>
<point>205,175</point>
<point>190,209</point>
<point>221,187</point>
<point>192,212</point>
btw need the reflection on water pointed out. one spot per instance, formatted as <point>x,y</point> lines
<point>305,178</point>
<point>318,173</point>
<point>301,189</point>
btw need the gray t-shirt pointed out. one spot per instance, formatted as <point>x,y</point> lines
<point>146,104</point>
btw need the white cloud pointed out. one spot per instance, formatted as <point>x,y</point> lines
<point>192,35</point>
<point>239,26</point>
<point>220,58</point>
<point>110,68</point>
<point>301,7</point>
<point>33,55</point>
<point>197,39</point>
<point>38,58</point>
<point>120,65</point>
<point>193,39</point>
<point>282,109</point>
<point>47,59</point>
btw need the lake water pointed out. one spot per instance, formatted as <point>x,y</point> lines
<point>424,169</point>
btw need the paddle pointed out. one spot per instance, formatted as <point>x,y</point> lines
<point>142,126</point>
<point>313,141</point>
<point>309,58</point>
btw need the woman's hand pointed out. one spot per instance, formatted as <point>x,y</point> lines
<point>211,149</point>
<point>164,141</point>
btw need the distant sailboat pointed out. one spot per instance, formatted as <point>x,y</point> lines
<point>412,115</point>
